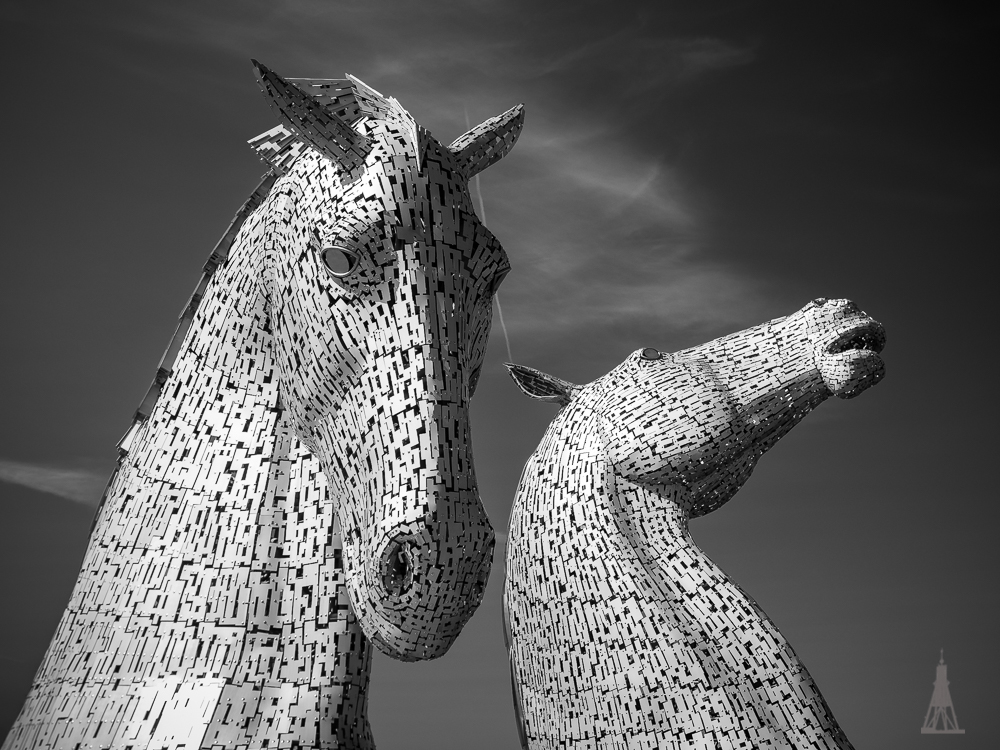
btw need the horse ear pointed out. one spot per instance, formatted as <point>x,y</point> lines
<point>539,385</point>
<point>488,142</point>
<point>322,129</point>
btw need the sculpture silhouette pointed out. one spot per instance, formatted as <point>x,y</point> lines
<point>621,632</point>
<point>299,479</point>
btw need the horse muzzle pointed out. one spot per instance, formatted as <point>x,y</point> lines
<point>423,583</point>
<point>848,359</point>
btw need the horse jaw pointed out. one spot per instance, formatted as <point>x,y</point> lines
<point>418,545</point>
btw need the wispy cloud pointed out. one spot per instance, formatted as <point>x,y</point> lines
<point>702,55</point>
<point>601,230</point>
<point>609,239</point>
<point>454,42</point>
<point>78,485</point>
<point>642,62</point>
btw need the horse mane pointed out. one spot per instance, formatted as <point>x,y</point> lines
<point>349,99</point>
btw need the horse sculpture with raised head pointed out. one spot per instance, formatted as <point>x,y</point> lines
<point>621,632</point>
<point>299,479</point>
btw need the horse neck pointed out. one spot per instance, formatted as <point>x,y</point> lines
<point>569,492</point>
<point>653,519</point>
<point>218,445</point>
<point>571,460</point>
<point>221,398</point>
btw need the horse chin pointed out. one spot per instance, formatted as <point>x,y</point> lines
<point>849,373</point>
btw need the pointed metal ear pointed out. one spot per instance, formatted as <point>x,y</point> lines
<point>322,129</point>
<point>541,386</point>
<point>488,142</point>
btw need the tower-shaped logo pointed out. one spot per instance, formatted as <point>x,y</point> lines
<point>940,717</point>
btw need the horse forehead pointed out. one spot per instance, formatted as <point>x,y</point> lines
<point>636,381</point>
<point>396,176</point>
<point>404,150</point>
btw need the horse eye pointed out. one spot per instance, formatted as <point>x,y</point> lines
<point>650,353</point>
<point>340,260</point>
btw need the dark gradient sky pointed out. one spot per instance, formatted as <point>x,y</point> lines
<point>686,170</point>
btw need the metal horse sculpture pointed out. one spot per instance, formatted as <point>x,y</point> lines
<point>299,481</point>
<point>621,632</point>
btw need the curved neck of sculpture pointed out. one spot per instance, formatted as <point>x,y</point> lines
<point>217,555</point>
<point>653,563</point>
<point>571,464</point>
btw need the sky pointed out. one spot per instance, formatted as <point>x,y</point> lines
<point>686,170</point>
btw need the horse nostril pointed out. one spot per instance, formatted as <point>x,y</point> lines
<point>397,569</point>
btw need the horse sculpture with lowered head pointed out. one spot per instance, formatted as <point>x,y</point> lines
<point>621,632</point>
<point>299,480</point>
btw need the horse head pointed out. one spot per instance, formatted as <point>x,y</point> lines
<point>599,542</point>
<point>379,284</point>
<point>702,417</point>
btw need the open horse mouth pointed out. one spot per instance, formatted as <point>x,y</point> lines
<point>868,336</point>
<point>850,363</point>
